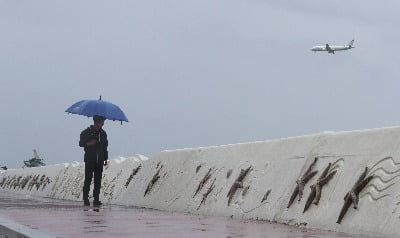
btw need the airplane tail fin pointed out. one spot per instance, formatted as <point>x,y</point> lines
<point>351,43</point>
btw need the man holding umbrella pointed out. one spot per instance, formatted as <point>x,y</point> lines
<point>95,143</point>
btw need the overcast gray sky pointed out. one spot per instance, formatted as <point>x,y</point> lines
<point>191,73</point>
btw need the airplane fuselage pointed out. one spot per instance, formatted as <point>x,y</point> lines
<point>333,48</point>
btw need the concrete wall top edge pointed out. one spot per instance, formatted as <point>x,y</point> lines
<point>294,138</point>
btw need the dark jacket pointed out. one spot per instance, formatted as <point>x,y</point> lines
<point>96,153</point>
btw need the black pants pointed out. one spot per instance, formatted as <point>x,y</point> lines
<point>91,169</point>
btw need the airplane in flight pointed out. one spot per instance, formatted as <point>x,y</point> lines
<point>333,48</point>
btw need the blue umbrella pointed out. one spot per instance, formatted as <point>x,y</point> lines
<point>99,107</point>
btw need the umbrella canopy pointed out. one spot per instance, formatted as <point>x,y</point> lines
<point>99,107</point>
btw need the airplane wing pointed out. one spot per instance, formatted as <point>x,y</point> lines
<point>329,49</point>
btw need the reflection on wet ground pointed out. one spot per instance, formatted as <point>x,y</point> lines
<point>70,219</point>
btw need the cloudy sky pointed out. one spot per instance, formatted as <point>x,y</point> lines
<point>192,73</point>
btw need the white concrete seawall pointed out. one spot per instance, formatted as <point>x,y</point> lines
<point>169,181</point>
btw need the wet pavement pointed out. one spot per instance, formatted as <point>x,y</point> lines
<point>62,218</point>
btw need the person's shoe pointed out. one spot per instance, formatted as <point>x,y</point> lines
<point>86,202</point>
<point>97,203</point>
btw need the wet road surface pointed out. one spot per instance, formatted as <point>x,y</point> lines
<point>62,218</point>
